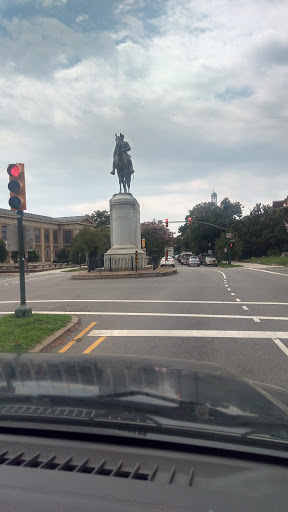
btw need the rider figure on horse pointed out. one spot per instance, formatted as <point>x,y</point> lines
<point>125,148</point>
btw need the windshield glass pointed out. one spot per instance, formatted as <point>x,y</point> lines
<point>144,214</point>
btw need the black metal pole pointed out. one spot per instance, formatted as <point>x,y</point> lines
<point>22,310</point>
<point>229,243</point>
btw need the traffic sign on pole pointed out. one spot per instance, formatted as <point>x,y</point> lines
<point>228,235</point>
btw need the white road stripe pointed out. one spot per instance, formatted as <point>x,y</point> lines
<point>220,272</point>
<point>190,334</point>
<point>147,301</point>
<point>281,345</point>
<point>229,289</point>
<point>267,271</point>
<point>232,293</point>
<point>245,307</point>
<point>238,300</point>
<point>185,315</point>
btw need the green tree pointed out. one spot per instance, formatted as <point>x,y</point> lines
<point>3,251</point>
<point>90,241</point>
<point>63,256</point>
<point>33,256</point>
<point>232,210</point>
<point>221,243</point>
<point>204,231</point>
<point>157,237</point>
<point>101,218</point>
<point>262,232</point>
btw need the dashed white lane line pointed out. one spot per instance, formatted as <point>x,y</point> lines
<point>245,307</point>
<point>229,289</point>
<point>281,345</point>
<point>191,334</point>
<point>232,293</point>
<point>220,272</point>
<point>238,300</point>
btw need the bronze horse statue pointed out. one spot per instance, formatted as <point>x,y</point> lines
<point>122,166</point>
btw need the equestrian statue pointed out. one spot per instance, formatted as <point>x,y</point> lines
<point>122,163</point>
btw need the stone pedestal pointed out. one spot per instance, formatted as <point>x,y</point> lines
<point>125,234</point>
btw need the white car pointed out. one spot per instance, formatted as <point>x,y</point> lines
<point>170,262</point>
<point>193,261</point>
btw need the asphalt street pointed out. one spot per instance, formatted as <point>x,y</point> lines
<point>236,317</point>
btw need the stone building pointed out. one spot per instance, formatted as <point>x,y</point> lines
<point>280,204</point>
<point>50,233</point>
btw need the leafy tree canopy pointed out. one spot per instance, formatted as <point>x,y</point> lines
<point>3,251</point>
<point>101,218</point>
<point>157,237</point>
<point>94,242</point>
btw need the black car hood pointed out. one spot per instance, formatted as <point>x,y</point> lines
<point>153,382</point>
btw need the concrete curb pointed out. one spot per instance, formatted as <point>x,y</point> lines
<point>53,337</point>
<point>113,275</point>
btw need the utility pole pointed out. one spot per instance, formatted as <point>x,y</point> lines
<point>229,246</point>
<point>23,309</point>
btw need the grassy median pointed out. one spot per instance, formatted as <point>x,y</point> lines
<point>226,265</point>
<point>19,335</point>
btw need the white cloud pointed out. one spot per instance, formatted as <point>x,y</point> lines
<point>201,97</point>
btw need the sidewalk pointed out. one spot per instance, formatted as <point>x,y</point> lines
<point>258,265</point>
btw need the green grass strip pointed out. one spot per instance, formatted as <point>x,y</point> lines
<point>19,335</point>
<point>225,265</point>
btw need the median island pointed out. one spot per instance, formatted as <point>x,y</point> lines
<point>20,335</point>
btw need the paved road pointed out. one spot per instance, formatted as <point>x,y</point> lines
<point>234,317</point>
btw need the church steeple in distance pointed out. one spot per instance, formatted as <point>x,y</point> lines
<point>214,197</point>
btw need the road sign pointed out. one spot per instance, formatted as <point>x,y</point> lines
<point>228,235</point>
<point>12,238</point>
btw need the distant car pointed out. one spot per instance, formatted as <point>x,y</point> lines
<point>185,257</point>
<point>170,262</point>
<point>202,257</point>
<point>193,262</point>
<point>211,261</point>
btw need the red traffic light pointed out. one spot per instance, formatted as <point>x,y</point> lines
<point>190,221</point>
<point>166,222</point>
<point>16,186</point>
<point>13,170</point>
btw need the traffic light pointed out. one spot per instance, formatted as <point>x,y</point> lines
<point>16,186</point>
<point>143,243</point>
<point>232,245</point>
<point>190,221</point>
<point>166,222</point>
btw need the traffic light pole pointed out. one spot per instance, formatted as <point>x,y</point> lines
<point>23,309</point>
<point>229,246</point>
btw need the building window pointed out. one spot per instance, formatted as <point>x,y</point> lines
<point>55,254</point>
<point>37,236</point>
<point>67,237</point>
<point>47,254</point>
<point>47,236</point>
<point>55,237</point>
<point>38,252</point>
<point>4,233</point>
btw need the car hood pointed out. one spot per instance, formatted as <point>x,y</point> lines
<point>148,380</point>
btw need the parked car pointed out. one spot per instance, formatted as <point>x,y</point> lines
<point>170,262</point>
<point>193,261</point>
<point>202,257</point>
<point>211,261</point>
<point>185,257</point>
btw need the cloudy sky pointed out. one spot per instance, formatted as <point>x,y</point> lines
<point>198,87</point>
